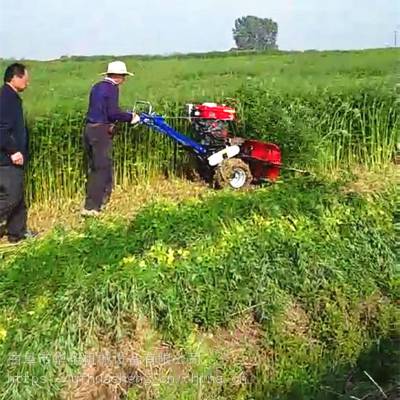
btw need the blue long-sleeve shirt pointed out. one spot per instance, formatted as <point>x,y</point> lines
<point>13,132</point>
<point>103,104</point>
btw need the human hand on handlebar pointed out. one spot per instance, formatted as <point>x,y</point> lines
<point>17,158</point>
<point>135,119</point>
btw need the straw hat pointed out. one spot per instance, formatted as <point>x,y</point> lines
<point>117,68</point>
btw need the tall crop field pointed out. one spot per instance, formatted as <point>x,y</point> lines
<point>328,111</point>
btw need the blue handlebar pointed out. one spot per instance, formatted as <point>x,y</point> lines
<point>157,122</point>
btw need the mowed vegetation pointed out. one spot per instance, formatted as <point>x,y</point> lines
<point>282,292</point>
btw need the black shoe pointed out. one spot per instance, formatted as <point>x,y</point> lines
<point>26,235</point>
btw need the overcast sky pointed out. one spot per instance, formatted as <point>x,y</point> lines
<point>45,29</point>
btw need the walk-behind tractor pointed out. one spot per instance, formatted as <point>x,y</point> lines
<point>220,158</point>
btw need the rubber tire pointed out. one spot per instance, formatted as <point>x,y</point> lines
<point>224,171</point>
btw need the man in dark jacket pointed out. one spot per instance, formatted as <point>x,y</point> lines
<point>13,154</point>
<point>102,114</point>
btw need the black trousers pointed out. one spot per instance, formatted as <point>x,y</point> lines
<point>98,148</point>
<point>13,212</point>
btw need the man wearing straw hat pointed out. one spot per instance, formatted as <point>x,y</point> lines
<point>102,114</point>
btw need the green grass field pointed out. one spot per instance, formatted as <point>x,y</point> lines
<point>282,292</point>
<point>63,86</point>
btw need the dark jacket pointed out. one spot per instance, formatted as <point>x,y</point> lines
<point>13,133</point>
<point>103,104</point>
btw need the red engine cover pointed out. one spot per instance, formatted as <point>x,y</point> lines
<point>214,111</point>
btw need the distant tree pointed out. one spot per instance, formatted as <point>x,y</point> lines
<point>253,33</point>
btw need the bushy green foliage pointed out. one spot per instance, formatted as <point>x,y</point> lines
<point>195,264</point>
<point>254,33</point>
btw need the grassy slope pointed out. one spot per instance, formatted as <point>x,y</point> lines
<point>313,267</point>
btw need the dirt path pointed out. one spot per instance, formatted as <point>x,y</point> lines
<point>125,202</point>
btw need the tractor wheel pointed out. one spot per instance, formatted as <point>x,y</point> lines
<point>233,173</point>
